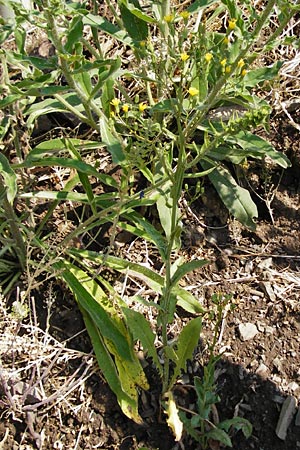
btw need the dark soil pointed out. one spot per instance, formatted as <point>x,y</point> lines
<point>259,269</point>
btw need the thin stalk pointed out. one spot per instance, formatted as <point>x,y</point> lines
<point>176,193</point>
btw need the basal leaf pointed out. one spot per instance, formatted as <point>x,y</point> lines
<point>128,404</point>
<point>100,309</point>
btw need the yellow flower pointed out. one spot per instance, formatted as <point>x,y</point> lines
<point>226,40</point>
<point>193,91</point>
<point>115,102</point>
<point>208,57</point>
<point>143,106</point>
<point>223,62</point>
<point>169,18</point>
<point>184,56</point>
<point>231,24</point>
<point>227,69</point>
<point>125,108</point>
<point>244,72</point>
<point>185,15</point>
<point>241,63</point>
<point>112,114</point>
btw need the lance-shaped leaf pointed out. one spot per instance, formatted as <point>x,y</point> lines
<point>9,178</point>
<point>185,346</point>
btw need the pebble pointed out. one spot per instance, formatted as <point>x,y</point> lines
<point>247,331</point>
<point>262,370</point>
<point>286,415</point>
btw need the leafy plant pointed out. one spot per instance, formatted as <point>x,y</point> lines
<point>184,108</point>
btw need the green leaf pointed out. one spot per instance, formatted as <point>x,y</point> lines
<point>74,33</point>
<point>141,330</point>
<point>134,7</point>
<point>219,435</point>
<point>185,268</point>
<point>155,281</point>
<point>113,144</point>
<point>239,423</point>
<point>200,4</point>
<point>257,76</point>
<point>135,26</point>
<point>186,344</point>
<point>106,26</point>
<point>257,147</point>
<point>236,199</point>
<point>9,178</point>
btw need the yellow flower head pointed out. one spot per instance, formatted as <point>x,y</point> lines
<point>226,40</point>
<point>241,63</point>
<point>169,18</point>
<point>143,106</point>
<point>223,62</point>
<point>244,72</point>
<point>184,56</point>
<point>227,69</point>
<point>125,108</point>
<point>193,91</point>
<point>115,102</point>
<point>185,15</point>
<point>208,57</point>
<point>231,24</point>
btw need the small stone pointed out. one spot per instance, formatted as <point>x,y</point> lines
<point>269,330</point>
<point>262,370</point>
<point>293,386</point>
<point>247,331</point>
<point>286,415</point>
<point>278,365</point>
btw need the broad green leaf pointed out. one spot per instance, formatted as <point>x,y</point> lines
<point>106,26</point>
<point>135,26</point>
<point>112,142</point>
<point>186,344</point>
<point>9,178</point>
<point>141,330</point>
<point>257,147</point>
<point>236,199</point>
<point>257,76</point>
<point>185,268</point>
